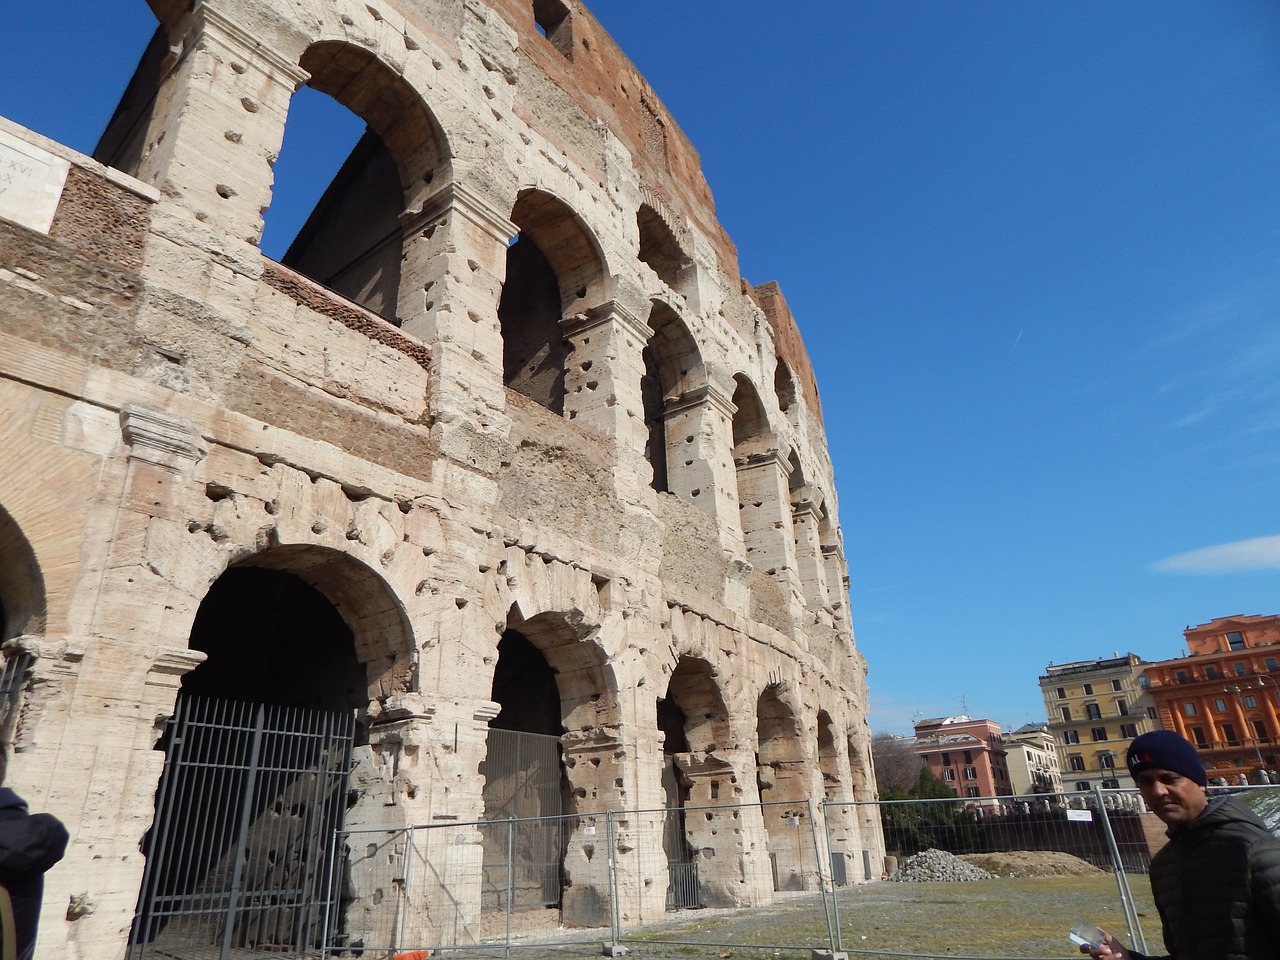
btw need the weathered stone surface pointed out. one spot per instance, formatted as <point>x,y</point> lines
<point>600,510</point>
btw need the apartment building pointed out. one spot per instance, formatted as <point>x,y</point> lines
<point>966,754</point>
<point>1032,755</point>
<point>1095,708</point>
<point>1223,695</point>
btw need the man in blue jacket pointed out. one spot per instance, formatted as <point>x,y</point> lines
<point>29,845</point>
<point>1217,881</point>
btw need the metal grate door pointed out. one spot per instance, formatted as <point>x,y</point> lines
<point>239,856</point>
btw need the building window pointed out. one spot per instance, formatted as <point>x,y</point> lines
<point>1151,713</point>
<point>1066,713</point>
<point>1107,761</point>
<point>1128,731</point>
<point>1211,673</point>
<point>946,759</point>
<point>1075,762</point>
<point>1229,734</point>
<point>1260,732</point>
<point>1099,733</point>
<point>1093,711</point>
<point>1197,734</point>
<point>1110,784</point>
<point>1219,705</point>
<point>1115,685</point>
<point>972,791</point>
<point>1070,736</point>
<point>1083,785</point>
<point>1189,709</point>
<point>1062,693</point>
<point>968,756</point>
<point>1270,664</point>
<point>1180,676</point>
<point>1122,707</point>
<point>552,19</point>
<point>971,773</point>
<point>1250,701</point>
<point>949,773</point>
<point>1143,682</point>
<point>1088,689</point>
<point>1235,640</point>
<point>1241,669</point>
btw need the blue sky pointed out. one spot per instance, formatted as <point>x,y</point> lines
<point>1034,249</point>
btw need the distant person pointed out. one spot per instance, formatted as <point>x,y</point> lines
<point>29,845</point>
<point>1217,880</point>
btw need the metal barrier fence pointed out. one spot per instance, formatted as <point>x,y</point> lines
<point>793,877</point>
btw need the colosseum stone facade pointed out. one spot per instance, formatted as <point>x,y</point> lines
<point>505,445</point>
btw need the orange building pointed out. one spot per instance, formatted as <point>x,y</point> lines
<point>968,755</point>
<point>1223,697</point>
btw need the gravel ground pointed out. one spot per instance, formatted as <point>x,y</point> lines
<point>1024,918</point>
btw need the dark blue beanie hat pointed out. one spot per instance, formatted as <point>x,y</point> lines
<point>1165,750</point>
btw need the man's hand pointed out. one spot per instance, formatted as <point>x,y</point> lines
<point>1109,949</point>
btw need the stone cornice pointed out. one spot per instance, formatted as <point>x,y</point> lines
<point>705,395</point>
<point>611,311</point>
<point>160,438</point>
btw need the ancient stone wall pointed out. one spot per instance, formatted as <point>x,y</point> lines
<point>624,466</point>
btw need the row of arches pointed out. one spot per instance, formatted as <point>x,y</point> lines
<point>376,237</point>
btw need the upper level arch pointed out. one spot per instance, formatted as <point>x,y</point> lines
<point>22,591</point>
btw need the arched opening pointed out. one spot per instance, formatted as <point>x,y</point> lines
<point>22,592</point>
<point>695,722</point>
<point>258,752</point>
<point>759,479</point>
<point>784,387</point>
<point>543,766</point>
<point>553,264</point>
<point>841,832</point>
<point>659,247</point>
<point>360,151</point>
<point>672,368</point>
<point>22,612</point>
<point>780,778</point>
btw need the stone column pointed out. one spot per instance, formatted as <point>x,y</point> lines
<point>809,565</point>
<point>766,515</point>
<point>219,122</point>
<point>699,467</point>
<point>455,261</point>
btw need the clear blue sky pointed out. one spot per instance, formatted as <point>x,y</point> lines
<point>1034,249</point>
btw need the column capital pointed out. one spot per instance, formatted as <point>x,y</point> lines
<point>160,438</point>
<point>457,197</point>
<point>610,311</point>
<point>706,395</point>
<point>211,24</point>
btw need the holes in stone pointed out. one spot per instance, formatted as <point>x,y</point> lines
<point>216,491</point>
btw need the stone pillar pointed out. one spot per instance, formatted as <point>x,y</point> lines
<point>218,124</point>
<point>809,565</point>
<point>766,515</point>
<point>699,470</point>
<point>455,261</point>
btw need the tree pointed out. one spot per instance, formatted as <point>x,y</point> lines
<point>897,764</point>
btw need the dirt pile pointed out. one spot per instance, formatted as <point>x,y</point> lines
<point>1031,863</point>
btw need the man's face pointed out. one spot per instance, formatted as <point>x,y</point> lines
<point>1172,797</point>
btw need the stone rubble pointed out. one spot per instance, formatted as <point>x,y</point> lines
<point>938,866</point>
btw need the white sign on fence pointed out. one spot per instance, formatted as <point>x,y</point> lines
<point>1079,814</point>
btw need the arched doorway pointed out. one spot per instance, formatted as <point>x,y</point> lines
<point>780,778</point>
<point>22,611</point>
<point>258,753</point>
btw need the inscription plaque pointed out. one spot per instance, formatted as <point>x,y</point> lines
<point>31,182</point>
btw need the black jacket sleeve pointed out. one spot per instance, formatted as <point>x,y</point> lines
<point>30,844</point>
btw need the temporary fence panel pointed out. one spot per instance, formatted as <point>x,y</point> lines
<point>238,856</point>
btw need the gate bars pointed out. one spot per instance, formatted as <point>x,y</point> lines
<point>237,857</point>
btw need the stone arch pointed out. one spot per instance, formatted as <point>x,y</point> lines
<point>555,269</point>
<point>353,241</point>
<point>558,706</point>
<point>761,475</point>
<point>784,388</point>
<point>673,373</point>
<point>840,816</point>
<point>752,433</point>
<point>23,606</point>
<point>360,602</point>
<point>661,249</point>
<point>783,784</point>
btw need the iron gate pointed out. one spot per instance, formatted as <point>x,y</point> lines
<point>239,854</point>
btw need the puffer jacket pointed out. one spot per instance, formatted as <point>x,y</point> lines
<point>1217,886</point>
